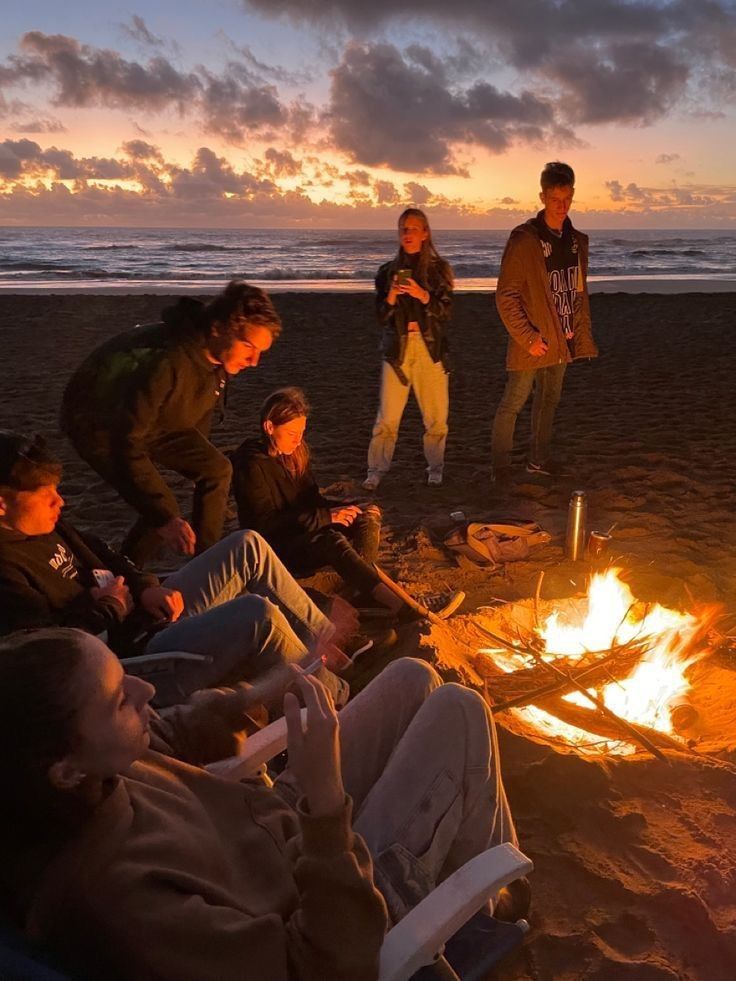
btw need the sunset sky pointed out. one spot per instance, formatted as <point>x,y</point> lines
<point>272,113</point>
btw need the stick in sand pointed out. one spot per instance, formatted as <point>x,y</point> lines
<point>413,604</point>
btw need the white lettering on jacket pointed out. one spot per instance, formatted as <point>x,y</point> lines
<point>62,561</point>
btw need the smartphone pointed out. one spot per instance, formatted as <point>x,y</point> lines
<point>102,577</point>
<point>403,276</point>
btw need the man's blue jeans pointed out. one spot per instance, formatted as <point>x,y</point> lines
<point>242,610</point>
<point>547,384</point>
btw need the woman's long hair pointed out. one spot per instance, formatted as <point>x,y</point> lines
<point>39,710</point>
<point>428,256</point>
<point>284,405</point>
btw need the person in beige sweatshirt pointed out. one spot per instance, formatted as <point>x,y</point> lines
<point>129,864</point>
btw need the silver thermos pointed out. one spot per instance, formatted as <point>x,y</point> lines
<point>576,514</point>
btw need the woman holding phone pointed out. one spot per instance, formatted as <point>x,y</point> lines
<point>414,304</point>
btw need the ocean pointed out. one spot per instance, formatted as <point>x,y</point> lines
<point>159,260</point>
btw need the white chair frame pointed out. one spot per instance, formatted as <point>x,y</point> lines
<point>419,938</point>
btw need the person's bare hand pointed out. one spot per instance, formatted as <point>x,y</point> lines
<point>411,287</point>
<point>393,292</point>
<point>538,347</point>
<point>162,603</point>
<point>179,535</point>
<point>344,514</point>
<point>314,749</point>
<point>117,591</point>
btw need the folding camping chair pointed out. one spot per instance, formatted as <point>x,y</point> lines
<point>414,943</point>
<point>419,939</point>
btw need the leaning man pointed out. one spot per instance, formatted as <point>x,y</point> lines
<point>542,299</point>
<point>144,400</point>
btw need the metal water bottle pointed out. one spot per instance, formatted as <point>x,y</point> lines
<point>576,514</point>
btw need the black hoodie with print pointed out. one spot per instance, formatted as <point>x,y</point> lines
<point>45,580</point>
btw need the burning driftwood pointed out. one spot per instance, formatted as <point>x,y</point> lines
<point>661,642</point>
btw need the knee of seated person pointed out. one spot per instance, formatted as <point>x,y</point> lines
<point>257,609</point>
<point>250,541</point>
<point>412,678</point>
<point>454,697</point>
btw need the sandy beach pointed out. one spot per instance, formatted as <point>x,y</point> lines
<point>635,859</point>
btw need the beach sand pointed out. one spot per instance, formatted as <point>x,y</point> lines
<point>636,859</point>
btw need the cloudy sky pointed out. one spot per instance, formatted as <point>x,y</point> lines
<point>337,112</point>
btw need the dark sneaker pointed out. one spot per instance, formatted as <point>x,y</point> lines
<point>443,605</point>
<point>377,643</point>
<point>513,901</point>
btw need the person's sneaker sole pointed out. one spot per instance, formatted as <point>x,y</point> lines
<point>452,604</point>
<point>551,473</point>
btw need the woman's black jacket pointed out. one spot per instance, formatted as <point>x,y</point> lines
<point>433,321</point>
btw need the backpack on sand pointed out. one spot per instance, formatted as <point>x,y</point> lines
<point>489,545</point>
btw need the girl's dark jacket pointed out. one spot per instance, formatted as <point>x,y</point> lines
<point>270,501</point>
<point>433,322</point>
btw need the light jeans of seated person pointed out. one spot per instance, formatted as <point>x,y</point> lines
<point>420,760</point>
<point>429,382</point>
<point>243,610</point>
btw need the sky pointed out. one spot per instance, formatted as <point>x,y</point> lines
<point>338,113</point>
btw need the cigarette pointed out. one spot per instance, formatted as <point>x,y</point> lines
<point>313,666</point>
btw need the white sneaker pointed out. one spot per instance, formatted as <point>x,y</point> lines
<point>371,482</point>
<point>434,478</point>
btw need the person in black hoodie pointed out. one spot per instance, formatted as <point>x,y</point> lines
<point>235,605</point>
<point>145,398</point>
<point>277,495</point>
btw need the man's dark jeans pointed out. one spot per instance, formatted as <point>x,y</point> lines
<point>547,384</point>
<point>188,453</point>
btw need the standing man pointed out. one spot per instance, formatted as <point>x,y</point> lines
<point>144,399</point>
<point>542,299</point>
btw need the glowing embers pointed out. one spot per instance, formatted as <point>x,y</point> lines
<point>636,657</point>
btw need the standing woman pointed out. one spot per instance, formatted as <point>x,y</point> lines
<point>414,304</point>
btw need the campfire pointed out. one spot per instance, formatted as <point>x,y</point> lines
<point>605,674</point>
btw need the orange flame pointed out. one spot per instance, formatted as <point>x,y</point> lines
<point>605,619</point>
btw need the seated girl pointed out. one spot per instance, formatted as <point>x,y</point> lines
<point>131,865</point>
<point>277,495</point>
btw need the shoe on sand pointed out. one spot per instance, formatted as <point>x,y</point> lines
<point>434,479</point>
<point>443,605</point>
<point>371,482</point>
<point>378,643</point>
<point>513,901</point>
